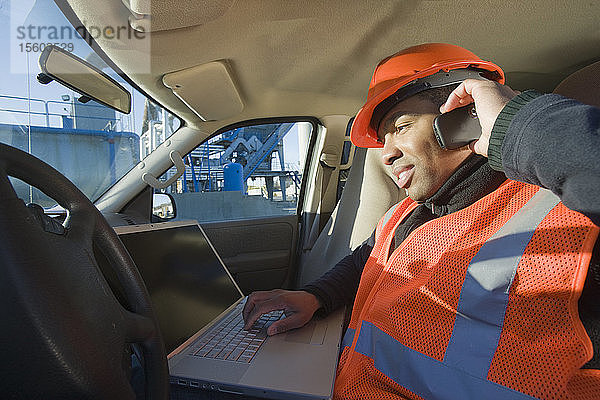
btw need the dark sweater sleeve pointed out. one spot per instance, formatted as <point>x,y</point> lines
<point>553,142</point>
<point>338,286</point>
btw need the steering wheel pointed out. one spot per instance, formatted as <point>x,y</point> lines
<point>64,333</point>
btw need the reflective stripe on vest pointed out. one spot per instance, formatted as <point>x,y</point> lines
<point>424,375</point>
<point>484,294</point>
<point>388,214</point>
<point>348,338</point>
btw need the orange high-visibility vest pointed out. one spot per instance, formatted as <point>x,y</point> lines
<point>478,304</point>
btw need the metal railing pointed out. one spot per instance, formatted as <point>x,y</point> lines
<point>116,124</point>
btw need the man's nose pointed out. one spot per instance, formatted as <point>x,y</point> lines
<point>391,151</point>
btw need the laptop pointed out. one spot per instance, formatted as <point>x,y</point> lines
<point>197,302</point>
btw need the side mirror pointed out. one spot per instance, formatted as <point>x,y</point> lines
<point>163,207</point>
<point>79,75</point>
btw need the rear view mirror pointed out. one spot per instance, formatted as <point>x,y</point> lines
<point>82,77</point>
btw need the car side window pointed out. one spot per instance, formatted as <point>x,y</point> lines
<point>248,172</point>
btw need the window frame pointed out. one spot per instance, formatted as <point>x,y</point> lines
<point>315,123</point>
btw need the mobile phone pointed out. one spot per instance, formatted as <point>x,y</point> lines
<point>457,128</point>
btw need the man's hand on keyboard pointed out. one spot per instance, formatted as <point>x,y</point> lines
<point>298,306</point>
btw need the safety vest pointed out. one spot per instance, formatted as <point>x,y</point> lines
<point>478,304</point>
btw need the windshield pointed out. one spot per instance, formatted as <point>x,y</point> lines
<point>91,144</point>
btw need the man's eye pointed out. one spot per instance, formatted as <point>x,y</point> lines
<point>400,128</point>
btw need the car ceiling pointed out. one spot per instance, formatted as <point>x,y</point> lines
<point>315,58</point>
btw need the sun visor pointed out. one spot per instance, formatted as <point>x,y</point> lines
<point>207,89</point>
<point>164,15</point>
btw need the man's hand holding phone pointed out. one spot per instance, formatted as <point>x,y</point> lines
<point>489,98</point>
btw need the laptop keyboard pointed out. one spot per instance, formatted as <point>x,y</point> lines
<point>229,341</point>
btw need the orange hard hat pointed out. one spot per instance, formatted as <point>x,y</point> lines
<point>411,71</point>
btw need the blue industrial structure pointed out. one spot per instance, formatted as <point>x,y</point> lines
<point>233,177</point>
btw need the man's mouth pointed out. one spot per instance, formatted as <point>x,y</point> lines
<point>404,175</point>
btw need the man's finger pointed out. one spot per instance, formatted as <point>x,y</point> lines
<point>472,145</point>
<point>248,307</point>
<point>464,94</point>
<point>480,147</point>
<point>260,309</point>
<point>251,302</point>
<point>251,319</point>
<point>458,98</point>
<point>254,298</point>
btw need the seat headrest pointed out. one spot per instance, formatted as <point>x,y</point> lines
<point>582,85</point>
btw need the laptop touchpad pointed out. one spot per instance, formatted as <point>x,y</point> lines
<point>311,333</point>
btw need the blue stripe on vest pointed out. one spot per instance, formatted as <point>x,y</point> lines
<point>348,338</point>
<point>388,215</point>
<point>484,295</point>
<point>423,375</point>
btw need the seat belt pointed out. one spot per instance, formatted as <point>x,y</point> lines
<point>326,160</point>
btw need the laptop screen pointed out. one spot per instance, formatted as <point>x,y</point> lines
<point>187,283</point>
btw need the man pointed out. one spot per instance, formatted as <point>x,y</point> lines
<point>470,287</point>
